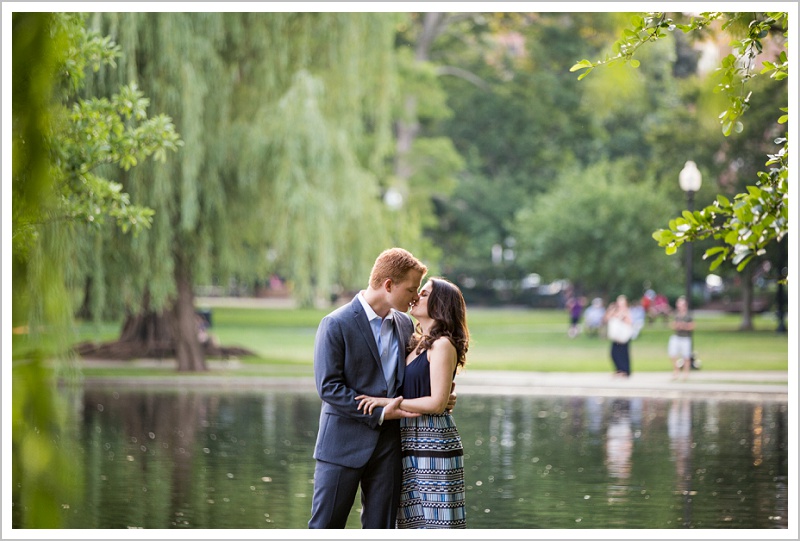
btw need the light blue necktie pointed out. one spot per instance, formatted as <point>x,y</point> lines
<point>385,346</point>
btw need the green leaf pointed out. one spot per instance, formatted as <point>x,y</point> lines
<point>740,267</point>
<point>754,191</point>
<point>717,262</point>
<point>581,65</point>
<point>714,250</point>
<point>726,128</point>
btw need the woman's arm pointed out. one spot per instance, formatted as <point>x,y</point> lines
<point>442,359</point>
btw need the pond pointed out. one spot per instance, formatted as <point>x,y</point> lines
<point>208,460</point>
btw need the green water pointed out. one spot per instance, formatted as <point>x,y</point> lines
<point>204,460</point>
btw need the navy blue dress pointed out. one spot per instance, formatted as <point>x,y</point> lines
<point>432,491</point>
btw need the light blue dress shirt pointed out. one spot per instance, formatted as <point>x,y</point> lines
<point>389,352</point>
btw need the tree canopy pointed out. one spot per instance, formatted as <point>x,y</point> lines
<point>286,119</point>
<point>758,216</point>
<point>601,241</point>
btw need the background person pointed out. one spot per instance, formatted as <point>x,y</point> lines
<point>620,331</point>
<point>433,489</point>
<point>638,318</point>
<point>575,308</point>
<point>593,317</point>
<point>679,347</point>
<point>660,308</point>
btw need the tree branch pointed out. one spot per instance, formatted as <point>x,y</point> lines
<point>463,74</point>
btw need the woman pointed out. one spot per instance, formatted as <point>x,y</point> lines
<point>620,332</point>
<point>432,494</point>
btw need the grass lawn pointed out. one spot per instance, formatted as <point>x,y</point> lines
<point>501,339</point>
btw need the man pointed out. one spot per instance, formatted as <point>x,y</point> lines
<point>679,347</point>
<point>360,349</point>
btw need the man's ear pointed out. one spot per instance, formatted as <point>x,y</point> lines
<point>387,285</point>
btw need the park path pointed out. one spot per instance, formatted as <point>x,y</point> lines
<point>744,385</point>
<point>749,385</point>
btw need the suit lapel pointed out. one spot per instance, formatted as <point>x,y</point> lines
<point>363,325</point>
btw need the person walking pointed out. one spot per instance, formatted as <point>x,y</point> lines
<point>575,308</point>
<point>433,491</point>
<point>679,347</point>
<point>359,349</point>
<point>620,332</point>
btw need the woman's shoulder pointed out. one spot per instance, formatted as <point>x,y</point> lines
<point>441,340</point>
<point>441,346</point>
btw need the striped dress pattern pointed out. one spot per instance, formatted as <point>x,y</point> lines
<point>432,490</point>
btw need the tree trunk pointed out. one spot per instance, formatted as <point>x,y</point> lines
<point>747,299</point>
<point>85,311</point>
<point>408,125</point>
<point>153,335</point>
<point>188,351</point>
<point>780,307</point>
<point>146,334</point>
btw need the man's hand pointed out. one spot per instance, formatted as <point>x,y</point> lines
<point>451,401</point>
<point>393,411</point>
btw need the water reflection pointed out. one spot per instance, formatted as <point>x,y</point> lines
<point>243,460</point>
<point>619,451</point>
<point>679,428</point>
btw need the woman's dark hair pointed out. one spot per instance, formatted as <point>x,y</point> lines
<point>447,309</point>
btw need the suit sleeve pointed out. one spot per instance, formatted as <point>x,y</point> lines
<point>329,373</point>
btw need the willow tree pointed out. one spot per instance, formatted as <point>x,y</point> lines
<point>286,119</point>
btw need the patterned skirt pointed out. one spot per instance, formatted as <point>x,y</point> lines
<point>432,494</point>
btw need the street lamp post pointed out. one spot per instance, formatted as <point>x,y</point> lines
<point>690,180</point>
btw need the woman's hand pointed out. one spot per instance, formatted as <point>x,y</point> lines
<point>451,400</point>
<point>369,403</point>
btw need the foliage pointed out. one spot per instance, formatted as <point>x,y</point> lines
<point>112,131</point>
<point>759,216</point>
<point>58,144</point>
<point>313,171</point>
<point>419,78</point>
<point>476,217</point>
<point>591,229</point>
<point>287,124</point>
<point>92,133</point>
<point>529,121</point>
